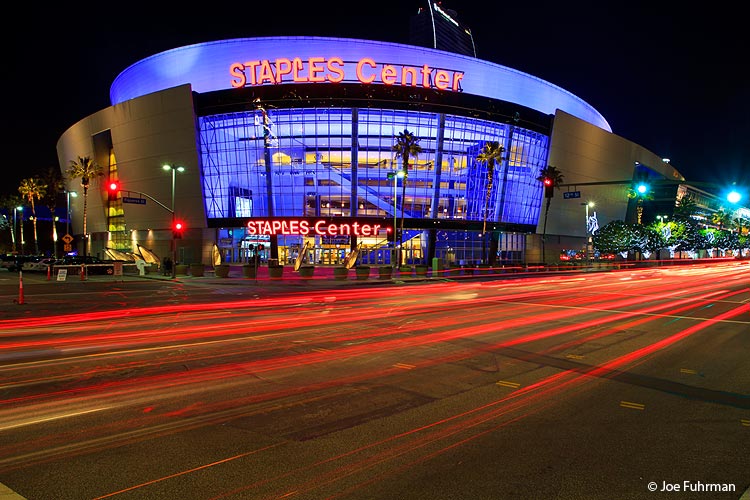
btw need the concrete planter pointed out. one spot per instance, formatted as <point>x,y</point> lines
<point>181,269</point>
<point>362,272</point>
<point>197,270</point>
<point>385,272</point>
<point>222,271</point>
<point>340,273</point>
<point>276,272</point>
<point>248,271</point>
<point>306,271</point>
<point>421,269</point>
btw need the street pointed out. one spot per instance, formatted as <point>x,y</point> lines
<point>613,385</point>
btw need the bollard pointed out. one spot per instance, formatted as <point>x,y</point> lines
<point>49,272</point>
<point>83,272</point>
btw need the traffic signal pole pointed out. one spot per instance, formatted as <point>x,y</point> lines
<point>171,211</point>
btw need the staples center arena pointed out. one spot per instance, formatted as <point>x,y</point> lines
<point>287,142</point>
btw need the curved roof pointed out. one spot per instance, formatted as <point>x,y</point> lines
<point>207,68</point>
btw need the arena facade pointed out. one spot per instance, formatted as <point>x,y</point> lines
<point>288,143</point>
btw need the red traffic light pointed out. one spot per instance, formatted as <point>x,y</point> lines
<point>177,228</point>
<point>113,188</point>
<point>547,181</point>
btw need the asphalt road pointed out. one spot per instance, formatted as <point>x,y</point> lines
<point>580,386</point>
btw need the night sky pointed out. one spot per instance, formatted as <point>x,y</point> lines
<point>669,80</point>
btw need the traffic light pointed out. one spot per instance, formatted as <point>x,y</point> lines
<point>549,187</point>
<point>177,229</point>
<point>113,189</point>
<point>641,188</point>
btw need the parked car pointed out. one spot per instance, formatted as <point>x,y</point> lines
<point>39,264</point>
<point>13,262</point>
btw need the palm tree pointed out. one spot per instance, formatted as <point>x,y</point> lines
<point>491,153</point>
<point>86,170</point>
<point>54,182</point>
<point>685,208</point>
<point>407,146</point>
<point>721,218</point>
<point>33,189</point>
<point>640,198</point>
<point>552,174</point>
<point>10,203</point>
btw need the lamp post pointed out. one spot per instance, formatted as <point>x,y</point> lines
<point>588,205</point>
<point>15,211</point>
<point>22,241</point>
<point>661,218</point>
<point>68,194</point>
<point>174,169</point>
<point>399,174</point>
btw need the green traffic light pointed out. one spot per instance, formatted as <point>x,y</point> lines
<point>734,197</point>
<point>642,188</point>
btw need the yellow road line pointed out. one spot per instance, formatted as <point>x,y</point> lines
<point>688,371</point>
<point>404,366</point>
<point>634,406</point>
<point>574,356</point>
<point>745,422</point>
<point>505,383</point>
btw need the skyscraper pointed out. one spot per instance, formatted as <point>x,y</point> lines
<point>437,27</point>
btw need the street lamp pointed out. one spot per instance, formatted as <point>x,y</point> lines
<point>174,169</point>
<point>661,218</point>
<point>395,176</point>
<point>19,209</point>
<point>15,210</point>
<point>588,205</point>
<point>68,194</point>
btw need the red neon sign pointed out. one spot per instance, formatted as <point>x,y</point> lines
<point>334,70</point>
<point>308,228</point>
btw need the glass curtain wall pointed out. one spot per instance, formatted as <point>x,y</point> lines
<point>312,168</point>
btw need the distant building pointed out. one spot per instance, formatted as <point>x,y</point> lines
<point>439,28</point>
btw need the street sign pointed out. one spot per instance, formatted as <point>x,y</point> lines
<point>571,194</point>
<point>136,201</point>
<point>67,238</point>
<point>67,247</point>
<point>118,268</point>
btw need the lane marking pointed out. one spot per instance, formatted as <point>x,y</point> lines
<point>745,422</point>
<point>688,371</point>
<point>631,405</point>
<point>574,356</point>
<point>506,383</point>
<point>404,366</point>
<point>54,417</point>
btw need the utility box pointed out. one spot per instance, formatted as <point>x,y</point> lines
<point>437,266</point>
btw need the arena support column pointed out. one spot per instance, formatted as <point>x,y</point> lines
<point>440,139</point>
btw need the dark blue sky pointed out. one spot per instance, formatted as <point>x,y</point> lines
<point>670,80</point>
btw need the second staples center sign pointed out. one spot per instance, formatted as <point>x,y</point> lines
<point>317,227</point>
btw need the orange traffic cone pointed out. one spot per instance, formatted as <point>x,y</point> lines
<point>20,288</point>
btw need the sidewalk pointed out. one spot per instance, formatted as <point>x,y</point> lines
<point>322,276</point>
